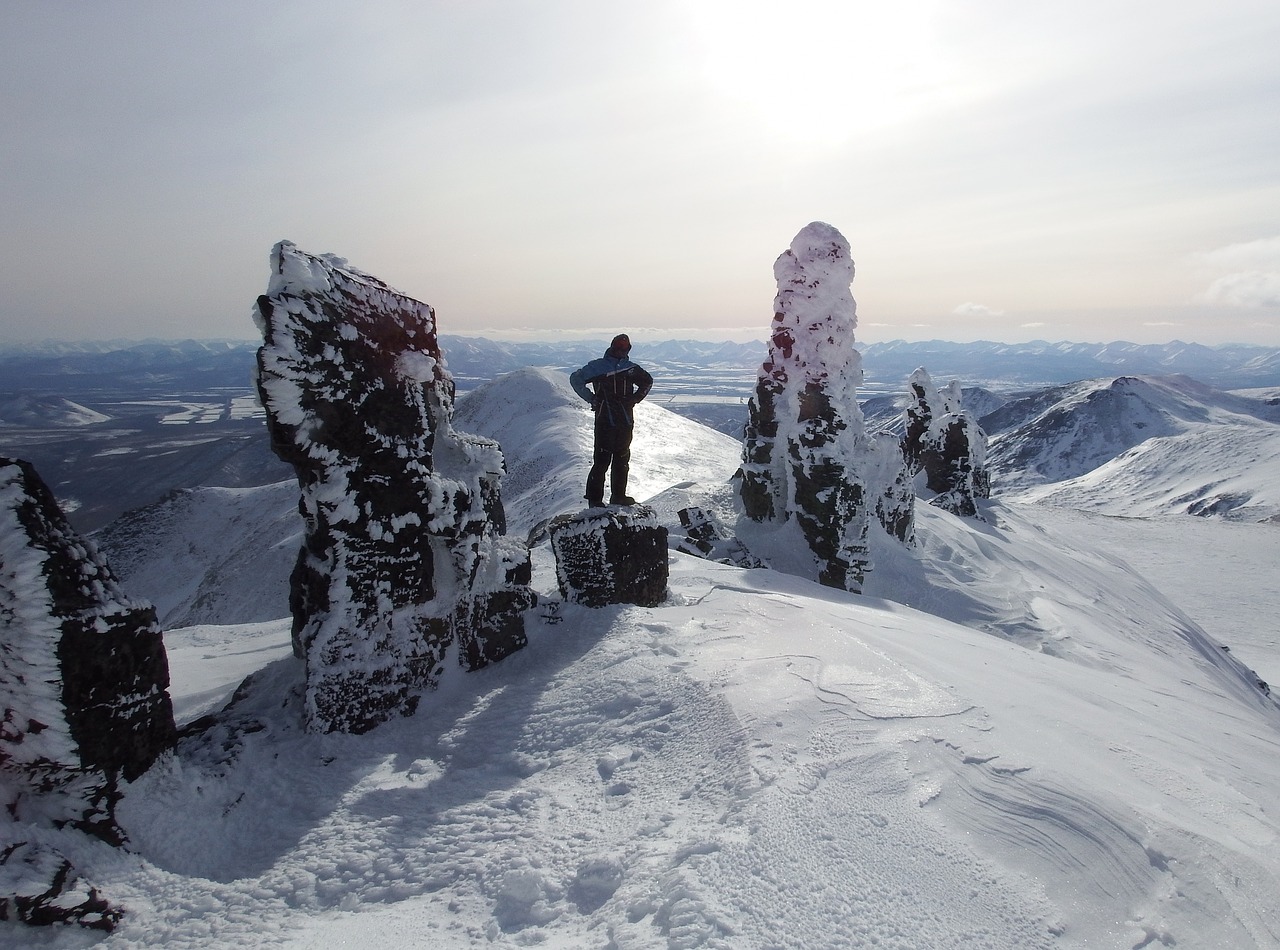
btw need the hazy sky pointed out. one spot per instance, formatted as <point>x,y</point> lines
<point>1003,169</point>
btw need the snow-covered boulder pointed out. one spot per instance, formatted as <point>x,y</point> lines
<point>611,556</point>
<point>947,444</point>
<point>404,554</point>
<point>807,456</point>
<point>705,537</point>
<point>83,674</point>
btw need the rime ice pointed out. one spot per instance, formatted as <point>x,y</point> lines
<point>945,442</point>
<point>404,558</point>
<point>807,456</point>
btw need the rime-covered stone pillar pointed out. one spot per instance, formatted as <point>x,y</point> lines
<point>945,442</point>
<point>806,452</point>
<point>404,553</point>
<point>84,704</point>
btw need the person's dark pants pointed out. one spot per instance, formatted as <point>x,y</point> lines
<point>612,455</point>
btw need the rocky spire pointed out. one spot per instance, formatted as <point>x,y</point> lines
<point>806,450</point>
<point>945,442</point>
<point>404,557</point>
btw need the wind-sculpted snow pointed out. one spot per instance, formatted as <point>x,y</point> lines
<point>759,762</point>
<point>1012,739</point>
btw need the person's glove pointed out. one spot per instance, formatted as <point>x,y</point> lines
<point>597,401</point>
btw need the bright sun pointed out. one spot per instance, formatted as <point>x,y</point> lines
<point>822,71</point>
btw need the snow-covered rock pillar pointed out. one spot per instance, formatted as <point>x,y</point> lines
<point>947,444</point>
<point>404,557</point>
<point>806,450</point>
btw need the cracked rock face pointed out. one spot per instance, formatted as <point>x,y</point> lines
<point>944,442</point>
<point>404,554</point>
<point>84,677</point>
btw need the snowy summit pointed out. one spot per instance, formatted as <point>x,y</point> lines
<point>1020,734</point>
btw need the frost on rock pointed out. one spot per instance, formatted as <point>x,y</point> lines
<point>946,443</point>
<point>40,887</point>
<point>807,455</point>
<point>611,556</point>
<point>404,556</point>
<point>84,686</point>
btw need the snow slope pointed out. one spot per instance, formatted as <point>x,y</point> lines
<point>760,762</point>
<point>546,434</point>
<point>1141,445</point>
<point>1014,740</point>
<point>210,555</point>
<point>26,409</point>
<point>1232,471</point>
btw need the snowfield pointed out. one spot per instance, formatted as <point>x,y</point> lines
<point>1024,735</point>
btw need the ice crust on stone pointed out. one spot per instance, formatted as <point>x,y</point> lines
<point>946,444</point>
<point>83,676</point>
<point>807,456</point>
<point>403,559</point>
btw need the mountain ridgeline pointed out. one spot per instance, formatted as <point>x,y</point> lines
<point>114,427</point>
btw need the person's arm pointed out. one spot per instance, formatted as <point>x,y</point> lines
<point>644,383</point>
<point>578,380</point>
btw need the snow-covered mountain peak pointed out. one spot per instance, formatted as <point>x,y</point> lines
<point>1069,431</point>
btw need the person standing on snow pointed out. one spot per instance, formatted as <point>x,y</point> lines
<point>618,385</point>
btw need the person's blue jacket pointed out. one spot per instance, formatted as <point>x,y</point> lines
<point>619,385</point>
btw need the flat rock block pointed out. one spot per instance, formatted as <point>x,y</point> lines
<point>611,556</point>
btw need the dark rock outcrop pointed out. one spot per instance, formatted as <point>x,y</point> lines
<point>944,442</point>
<point>611,556</point>
<point>84,685</point>
<point>404,554</point>
<point>83,672</point>
<point>40,887</point>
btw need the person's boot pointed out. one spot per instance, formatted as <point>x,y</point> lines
<point>622,500</point>
<point>594,502</point>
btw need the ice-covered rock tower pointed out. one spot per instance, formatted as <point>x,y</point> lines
<point>947,444</point>
<point>806,454</point>
<point>404,562</point>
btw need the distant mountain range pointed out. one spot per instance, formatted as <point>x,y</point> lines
<point>71,368</point>
<point>113,427</point>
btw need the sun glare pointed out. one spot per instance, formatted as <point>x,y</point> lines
<point>821,71</point>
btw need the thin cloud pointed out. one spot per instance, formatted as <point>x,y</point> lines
<point>1253,289</point>
<point>1032,326</point>
<point>1263,254</point>
<point>1253,274</point>
<point>1161,323</point>
<point>971,309</point>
